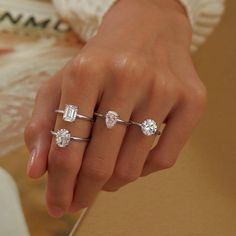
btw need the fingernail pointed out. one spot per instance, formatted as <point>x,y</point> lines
<point>31,160</point>
<point>73,209</point>
<point>56,212</point>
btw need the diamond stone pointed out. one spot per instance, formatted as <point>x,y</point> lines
<point>111,119</point>
<point>62,138</point>
<point>149,127</point>
<point>70,113</point>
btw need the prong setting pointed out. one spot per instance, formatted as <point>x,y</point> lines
<point>63,137</point>
<point>70,113</point>
<point>149,127</point>
<point>111,118</point>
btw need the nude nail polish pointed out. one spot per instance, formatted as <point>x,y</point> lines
<point>31,160</point>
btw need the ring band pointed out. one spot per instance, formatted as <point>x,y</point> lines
<point>63,138</point>
<point>149,127</point>
<point>111,119</point>
<point>70,114</point>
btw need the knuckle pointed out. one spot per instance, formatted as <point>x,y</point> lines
<point>96,173</point>
<point>30,131</point>
<point>58,161</point>
<point>84,67</point>
<point>162,86</point>
<point>130,68</point>
<point>163,163</point>
<point>33,128</point>
<point>196,95</point>
<point>125,176</point>
<point>81,65</point>
<point>131,61</point>
<point>201,95</point>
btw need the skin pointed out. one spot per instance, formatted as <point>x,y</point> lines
<point>138,65</point>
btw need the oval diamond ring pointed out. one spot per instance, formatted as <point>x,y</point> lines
<point>63,137</point>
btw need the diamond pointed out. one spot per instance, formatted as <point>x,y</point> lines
<point>70,113</point>
<point>149,127</point>
<point>62,138</point>
<point>111,119</point>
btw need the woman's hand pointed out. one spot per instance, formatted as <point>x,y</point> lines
<point>137,65</point>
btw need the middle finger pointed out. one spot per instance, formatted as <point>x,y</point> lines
<point>102,151</point>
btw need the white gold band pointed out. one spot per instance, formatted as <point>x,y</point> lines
<point>63,138</point>
<point>70,114</point>
<point>78,116</point>
<point>111,119</point>
<point>149,127</point>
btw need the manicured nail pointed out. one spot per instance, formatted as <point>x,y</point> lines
<point>31,160</point>
<point>56,212</point>
<point>73,209</point>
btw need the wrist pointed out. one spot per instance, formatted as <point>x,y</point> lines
<point>173,5</point>
<point>160,16</point>
<point>177,11</point>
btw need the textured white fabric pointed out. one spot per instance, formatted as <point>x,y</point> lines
<point>204,16</point>
<point>85,16</point>
<point>11,217</point>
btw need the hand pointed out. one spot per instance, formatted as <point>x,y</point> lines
<point>137,65</point>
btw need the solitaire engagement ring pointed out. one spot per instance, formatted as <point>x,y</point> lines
<point>63,138</point>
<point>70,114</point>
<point>149,127</point>
<point>111,119</point>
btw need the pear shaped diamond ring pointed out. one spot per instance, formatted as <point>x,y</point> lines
<point>111,119</point>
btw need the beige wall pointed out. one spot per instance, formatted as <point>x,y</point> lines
<point>198,196</point>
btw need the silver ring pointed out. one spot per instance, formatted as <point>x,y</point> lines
<point>63,137</point>
<point>149,127</point>
<point>111,119</point>
<point>70,114</point>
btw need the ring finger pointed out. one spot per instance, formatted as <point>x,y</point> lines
<point>101,154</point>
<point>136,145</point>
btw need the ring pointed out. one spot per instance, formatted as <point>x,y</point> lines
<point>111,119</point>
<point>63,137</point>
<point>70,114</point>
<point>149,127</point>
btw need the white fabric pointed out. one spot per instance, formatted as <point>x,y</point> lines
<point>85,16</point>
<point>11,217</point>
<point>204,16</point>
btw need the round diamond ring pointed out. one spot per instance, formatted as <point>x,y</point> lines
<point>149,127</point>
<point>63,138</point>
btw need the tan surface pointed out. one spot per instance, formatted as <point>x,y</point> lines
<point>198,196</point>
